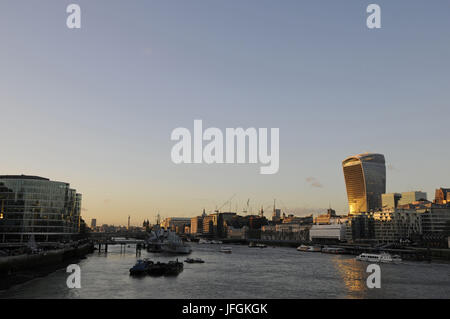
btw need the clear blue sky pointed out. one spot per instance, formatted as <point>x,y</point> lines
<point>95,107</point>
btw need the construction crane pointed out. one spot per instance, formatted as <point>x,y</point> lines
<point>247,209</point>
<point>228,201</point>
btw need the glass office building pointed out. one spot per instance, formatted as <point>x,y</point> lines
<point>32,205</point>
<point>365,179</point>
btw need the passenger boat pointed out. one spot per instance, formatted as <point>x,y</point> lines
<point>226,250</point>
<point>314,249</point>
<point>256,245</point>
<point>379,258</point>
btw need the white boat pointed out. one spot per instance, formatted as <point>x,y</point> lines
<point>314,249</point>
<point>216,242</point>
<point>379,258</point>
<point>255,245</point>
<point>226,250</point>
<point>204,241</point>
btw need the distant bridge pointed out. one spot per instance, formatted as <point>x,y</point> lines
<point>110,235</point>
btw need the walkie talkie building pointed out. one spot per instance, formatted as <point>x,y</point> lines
<point>365,179</point>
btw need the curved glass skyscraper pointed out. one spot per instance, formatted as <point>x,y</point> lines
<point>365,179</point>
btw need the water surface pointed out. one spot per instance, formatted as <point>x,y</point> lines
<point>273,272</point>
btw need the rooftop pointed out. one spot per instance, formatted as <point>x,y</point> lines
<point>23,177</point>
<point>365,157</point>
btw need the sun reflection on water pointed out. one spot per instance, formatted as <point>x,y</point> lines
<point>353,275</point>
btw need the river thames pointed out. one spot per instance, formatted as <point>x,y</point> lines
<point>273,272</point>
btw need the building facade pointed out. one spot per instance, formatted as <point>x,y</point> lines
<point>396,225</point>
<point>390,200</point>
<point>292,232</point>
<point>442,196</point>
<point>197,225</point>
<point>365,180</point>
<point>210,225</point>
<point>33,206</point>
<point>332,232</point>
<point>411,197</point>
<point>237,233</point>
<point>175,223</point>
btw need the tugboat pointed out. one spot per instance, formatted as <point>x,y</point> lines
<point>194,261</point>
<point>141,268</point>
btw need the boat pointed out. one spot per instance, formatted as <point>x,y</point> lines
<point>217,242</point>
<point>157,269</point>
<point>154,247</point>
<point>172,268</point>
<point>154,242</point>
<point>379,258</point>
<point>255,245</point>
<point>333,250</point>
<point>194,261</point>
<point>204,241</point>
<point>226,250</point>
<point>313,249</point>
<point>175,245</point>
<point>140,268</point>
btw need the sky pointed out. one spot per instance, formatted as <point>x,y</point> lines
<point>96,106</point>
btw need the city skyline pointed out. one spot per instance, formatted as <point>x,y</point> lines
<point>96,106</point>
